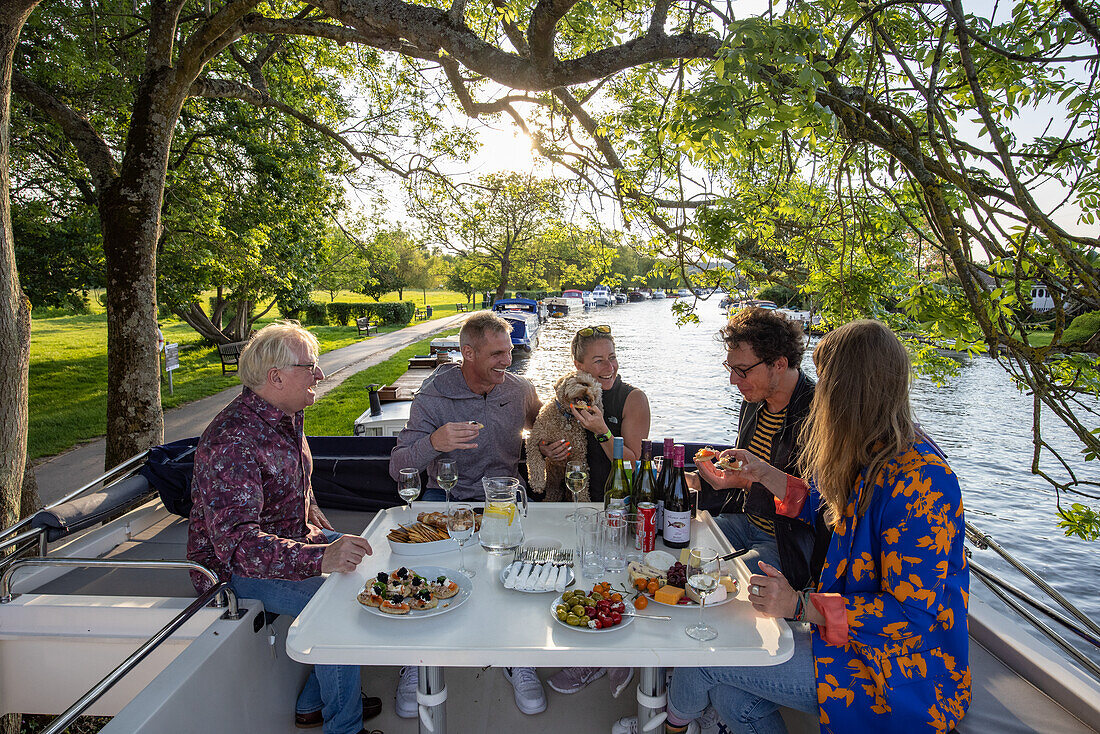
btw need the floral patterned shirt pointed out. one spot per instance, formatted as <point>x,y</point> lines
<point>252,496</point>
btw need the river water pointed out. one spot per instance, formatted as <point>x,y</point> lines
<point>978,418</point>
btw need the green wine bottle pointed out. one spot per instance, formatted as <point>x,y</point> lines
<point>645,484</point>
<point>616,492</point>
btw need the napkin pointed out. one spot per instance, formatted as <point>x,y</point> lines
<point>510,576</point>
<point>561,579</point>
<point>521,577</point>
<point>545,583</point>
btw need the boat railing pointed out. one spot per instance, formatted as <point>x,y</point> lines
<point>117,473</point>
<point>1072,618</point>
<point>66,718</point>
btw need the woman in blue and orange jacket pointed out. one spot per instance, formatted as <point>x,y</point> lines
<point>886,647</point>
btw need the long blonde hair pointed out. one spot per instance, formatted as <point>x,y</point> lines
<point>860,417</point>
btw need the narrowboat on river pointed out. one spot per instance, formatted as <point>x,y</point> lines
<point>523,315</point>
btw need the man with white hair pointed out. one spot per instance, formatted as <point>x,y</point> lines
<point>255,521</point>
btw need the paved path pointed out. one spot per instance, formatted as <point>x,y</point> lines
<point>63,473</point>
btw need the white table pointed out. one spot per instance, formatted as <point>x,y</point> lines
<point>503,628</point>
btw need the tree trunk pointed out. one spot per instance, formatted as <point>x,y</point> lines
<point>15,315</point>
<point>130,215</point>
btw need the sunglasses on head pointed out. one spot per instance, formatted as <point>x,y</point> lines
<point>590,330</point>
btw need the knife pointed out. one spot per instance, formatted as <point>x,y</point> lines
<point>736,553</point>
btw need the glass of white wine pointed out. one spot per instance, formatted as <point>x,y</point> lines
<point>446,475</point>
<point>576,477</point>
<point>702,575</point>
<point>408,485</point>
<point>460,526</point>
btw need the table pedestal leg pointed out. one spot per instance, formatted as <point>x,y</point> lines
<point>431,697</point>
<point>651,699</point>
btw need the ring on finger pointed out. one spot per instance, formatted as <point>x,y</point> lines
<point>754,590</point>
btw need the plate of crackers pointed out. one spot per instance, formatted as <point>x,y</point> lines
<point>426,536</point>
<point>413,593</point>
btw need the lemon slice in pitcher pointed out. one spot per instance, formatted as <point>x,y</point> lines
<point>501,509</point>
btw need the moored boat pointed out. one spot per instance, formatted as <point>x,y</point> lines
<point>523,315</point>
<point>574,299</point>
<point>557,307</point>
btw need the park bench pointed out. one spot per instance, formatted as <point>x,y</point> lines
<point>462,307</point>
<point>364,324</point>
<point>420,314</point>
<point>229,354</point>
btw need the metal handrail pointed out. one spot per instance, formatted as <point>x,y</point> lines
<point>982,541</point>
<point>227,598</point>
<point>76,493</point>
<point>63,721</point>
<point>1046,609</point>
<point>37,535</point>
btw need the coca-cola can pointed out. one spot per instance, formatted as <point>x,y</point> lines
<point>647,525</point>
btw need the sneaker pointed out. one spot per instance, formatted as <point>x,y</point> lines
<point>708,721</point>
<point>571,680</point>
<point>530,697</point>
<point>620,678</point>
<point>625,725</point>
<point>407,707</point>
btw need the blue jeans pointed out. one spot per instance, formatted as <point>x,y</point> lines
<point>747,699</point>
<point>334,689</point>
<point>741,533</point>
<point>433,494</point>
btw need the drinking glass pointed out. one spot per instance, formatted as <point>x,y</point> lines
<point>446,475</point>
<point>460,526</point>
<point>633,538</point>
<point>613,526</point>
<point>588,542</point>
<point>658,463</point>
<point>576,477</point>
<point>702,575</point>
<point>408,485</point>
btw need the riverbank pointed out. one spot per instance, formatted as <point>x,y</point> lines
<point>59,475</point>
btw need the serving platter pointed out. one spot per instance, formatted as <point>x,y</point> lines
<point>465,590</point>
<point>430,548</point>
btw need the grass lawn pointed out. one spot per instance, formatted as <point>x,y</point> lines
<point>335,413</point>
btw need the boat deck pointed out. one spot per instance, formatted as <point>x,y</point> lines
<point>481,699</point>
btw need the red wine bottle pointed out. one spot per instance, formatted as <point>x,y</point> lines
<point>662,484</point>
<point>677,503</point>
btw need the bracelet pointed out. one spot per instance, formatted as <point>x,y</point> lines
<point>800,608</point>
<point>604,437</point>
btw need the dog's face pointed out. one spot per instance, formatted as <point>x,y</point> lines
<point>579,389</point>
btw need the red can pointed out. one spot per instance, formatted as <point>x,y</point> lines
<point>647,526</point>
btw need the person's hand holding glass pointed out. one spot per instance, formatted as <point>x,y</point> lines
<point>576,477</point>
<point>702,575</point>
<point>460,526</point>
<point>446,475</point>
<point>408,485</point>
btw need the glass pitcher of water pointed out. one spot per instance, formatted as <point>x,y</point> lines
<point>501,525</point>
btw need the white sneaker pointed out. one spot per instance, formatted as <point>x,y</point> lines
<point>708,721</point>
<point>629,725</point>
<point>530,697</point>
<point>571,680</point>
<point>620,678</point>
<point>407,707</point>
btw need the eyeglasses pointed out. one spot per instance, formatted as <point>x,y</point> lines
<point>311,366</point>
<point>590,330</point>
<point>741,372</point>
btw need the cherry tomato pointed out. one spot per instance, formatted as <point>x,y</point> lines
<point>641,602</point>
<point>640,583</point>
<point>616,617</point>
<point>652,587</point>
<point>616,596</point>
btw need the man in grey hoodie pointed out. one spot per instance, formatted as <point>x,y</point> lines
<point>473,413</point>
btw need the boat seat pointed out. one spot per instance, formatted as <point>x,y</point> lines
<point>92,509</point>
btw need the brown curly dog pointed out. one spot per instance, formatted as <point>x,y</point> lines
<point>555,422</point>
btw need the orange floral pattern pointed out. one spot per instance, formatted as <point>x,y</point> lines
<point>902,577</point>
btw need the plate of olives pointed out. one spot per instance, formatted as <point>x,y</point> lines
<point>589,612</point>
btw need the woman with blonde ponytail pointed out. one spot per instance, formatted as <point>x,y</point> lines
<point>885,647</point>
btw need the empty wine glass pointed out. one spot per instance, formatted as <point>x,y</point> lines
<point>460,526</point>
<point>446,475</point>
<point>576,477</point>
<point>702,575</point>
<point>408,485</point>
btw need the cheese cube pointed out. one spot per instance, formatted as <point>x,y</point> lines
<point>729,584</point>
<point>669,594</point>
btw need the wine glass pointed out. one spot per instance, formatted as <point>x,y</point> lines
<point>460,526</point>
<point>446,475</point>
<point>702,575</point>
<point>576,477</point>
<point>408,485</point>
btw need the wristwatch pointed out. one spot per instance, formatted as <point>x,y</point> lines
<point>603,437</point>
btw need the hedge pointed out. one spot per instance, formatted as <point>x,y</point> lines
<point>342,314</point>
<point>1082,328</point>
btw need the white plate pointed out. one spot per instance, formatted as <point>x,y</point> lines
<point>465,589</point>
<point>427,549</point>
<point>627,619</point>
<point>570,579</point>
